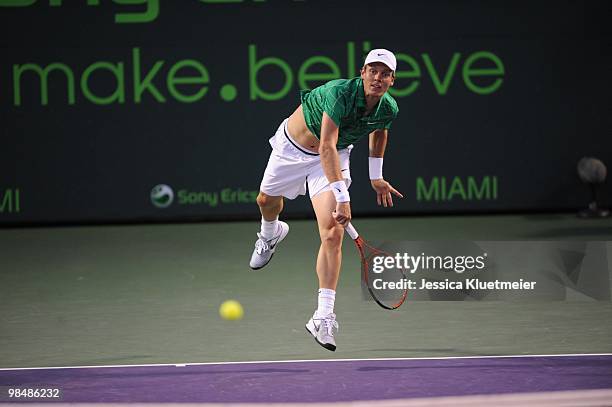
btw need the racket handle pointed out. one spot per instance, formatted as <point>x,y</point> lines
<point>350,229</point>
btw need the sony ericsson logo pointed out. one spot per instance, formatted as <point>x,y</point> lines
<point>162,196</point>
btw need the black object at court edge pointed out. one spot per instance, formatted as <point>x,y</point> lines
<point>593,173</point>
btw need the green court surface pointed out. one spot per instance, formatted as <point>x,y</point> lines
<point>143,294</point>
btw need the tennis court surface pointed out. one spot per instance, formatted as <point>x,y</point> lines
<point>117,314</point>
<point>350,380</point>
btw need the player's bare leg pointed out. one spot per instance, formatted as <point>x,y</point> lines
<point>269,206</point>
<point>323,325</point>
<point>331,233</point>
<point>272,231</point>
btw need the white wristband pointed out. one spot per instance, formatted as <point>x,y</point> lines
<point>376,166</point>
<point>340,191</point>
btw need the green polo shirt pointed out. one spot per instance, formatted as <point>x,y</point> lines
<point>344,102</point>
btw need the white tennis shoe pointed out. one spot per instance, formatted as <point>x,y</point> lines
<point>323,330</point>
<point>265,248</point>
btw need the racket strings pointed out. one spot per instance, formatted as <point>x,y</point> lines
<point>368,253</point>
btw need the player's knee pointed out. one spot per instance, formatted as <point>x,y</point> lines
<point>262,199</point>
<point>265,201</point>
<point>332,238</point>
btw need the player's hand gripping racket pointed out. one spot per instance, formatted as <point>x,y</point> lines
<point>388,298</point>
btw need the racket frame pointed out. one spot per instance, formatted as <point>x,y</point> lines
<point>361,245</point>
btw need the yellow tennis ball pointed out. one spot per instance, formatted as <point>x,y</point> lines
<point>231,310</point>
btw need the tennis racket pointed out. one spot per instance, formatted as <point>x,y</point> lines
<point>386,298</point>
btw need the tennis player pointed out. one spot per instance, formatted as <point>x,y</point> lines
<point>312,148</point>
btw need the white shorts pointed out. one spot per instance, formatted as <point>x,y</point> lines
<point>290,168</point>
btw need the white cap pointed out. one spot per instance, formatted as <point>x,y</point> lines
<point>381,55</point>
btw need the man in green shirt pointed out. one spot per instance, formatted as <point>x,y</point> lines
<point>312,147</point>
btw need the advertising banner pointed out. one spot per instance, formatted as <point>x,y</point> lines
<point>160,110</point>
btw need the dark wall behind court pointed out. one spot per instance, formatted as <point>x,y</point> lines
<point>162,110</point>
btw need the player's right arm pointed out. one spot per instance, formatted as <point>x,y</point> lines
<point>330,161</point>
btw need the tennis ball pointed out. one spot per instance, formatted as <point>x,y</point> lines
<point>231,310</point>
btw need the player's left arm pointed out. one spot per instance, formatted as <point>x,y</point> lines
<point>384,190</point>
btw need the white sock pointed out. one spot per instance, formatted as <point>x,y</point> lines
<point>268,229</point>
<point>327,298</point>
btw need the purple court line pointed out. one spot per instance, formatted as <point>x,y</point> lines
<point>319,381</point>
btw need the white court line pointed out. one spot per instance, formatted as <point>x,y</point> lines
<point>184,364</point>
